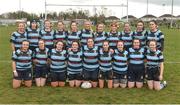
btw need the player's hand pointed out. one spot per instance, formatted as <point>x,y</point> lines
<point>15,73</point>
<point>112,51</point>
<point>160,77</point>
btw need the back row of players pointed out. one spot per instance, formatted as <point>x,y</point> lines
<point>116,56</point>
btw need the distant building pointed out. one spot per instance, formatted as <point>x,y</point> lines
<point>148,17</point>
<point>112,19</point>
<point>11,21</point>
<point>167,17</point>
<point>130,18</point>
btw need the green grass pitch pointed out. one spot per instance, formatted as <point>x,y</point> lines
<point>67,95</point>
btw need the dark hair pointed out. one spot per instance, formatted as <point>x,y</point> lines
<point>140,21</point>
<point>72,23</point>
<point>60,42</point>
<point>105,41</point>
<point>77,43</point>
<point>154,21</point>
<point>138,40</point>
<point>60,22</point>
<point>152,40</point>
<point>25,41</point>
<point>98,26</point>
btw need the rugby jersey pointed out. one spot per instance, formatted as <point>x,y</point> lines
<point>23,59</point>
<point>75,65</point>
<point>73,36</point>
<point>90,58</point>
<point>127,39</point>
<point>142,36</point>
<point>158,36</point>
<point>48,37</point>
<point>85,34</point>
<point>17,39</point>
<point>105,59</point>
<point>120,59</point>
<point>154,58</point>
<point>33,36</point>
<point>41,56</point>
<point>58,61</point>
<point>136,56</point>
<point>113,38</point>
<point>99,38</point>
<point>60,36</point>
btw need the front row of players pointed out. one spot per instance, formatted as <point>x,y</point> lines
<point>120,68</point>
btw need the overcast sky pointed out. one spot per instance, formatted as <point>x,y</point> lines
<point>136,7</point>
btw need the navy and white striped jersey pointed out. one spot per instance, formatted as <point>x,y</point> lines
<point>41,56</point>
<point>99,38</point>
<point>142,36</point>
<point>158,36</point>
<point>120,59</point>
<point>60,36</point>
<point>85,34</point>
<point>105,59</point>
<point>136,56</point>
<point>154,58</point>
<point>23,59</point>
<point>58,60</point>
<point>17,39</point>
<point>75,64</point>
<point>73,36</point>
<point>90,58</point>
<point>48,37</point>
<point>33,36</point>
<point>113,38</point>
<point>127,38</point>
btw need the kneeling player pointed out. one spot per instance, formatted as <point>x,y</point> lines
<point>120,66</point>
<point>21,65</point>
<point>74,65</point>
<point>155,66</point>
<point>58,65</point>
<point>40,57</point>
<point>105,69</point>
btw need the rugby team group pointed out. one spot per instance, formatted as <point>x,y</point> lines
<point>119,58</point>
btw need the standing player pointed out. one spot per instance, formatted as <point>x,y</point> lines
<point>58,65</point>
<point>100,35</point>
<point>47,34</point>
<point>113,35</point>
<point>155,34</point>
<point>21,65</point>
<point>86,33</point>
<point>74,34</point>
<point>105,69</point>
<point>33,35</point>
<point>74,65</point>
<point>60,33</point>
<point>40,57</point>
<point>136,67</point>
<point>120,66</point>
<point>155,66</point>
<point>126,36</point>
<point>90,64</point>
<point>140,33</point>
<point>18,36</point>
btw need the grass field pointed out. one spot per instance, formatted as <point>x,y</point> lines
<point>67,95</point>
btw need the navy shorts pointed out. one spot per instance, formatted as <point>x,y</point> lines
<point>75,76</point>
<point>25,75</point>
<point>41,72</point>
<point>120,77</point>
<point>136,72</point>
<point>58,76</point>
<point>152,73</point>
<point>91,75</point>
<point>107,75</point>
